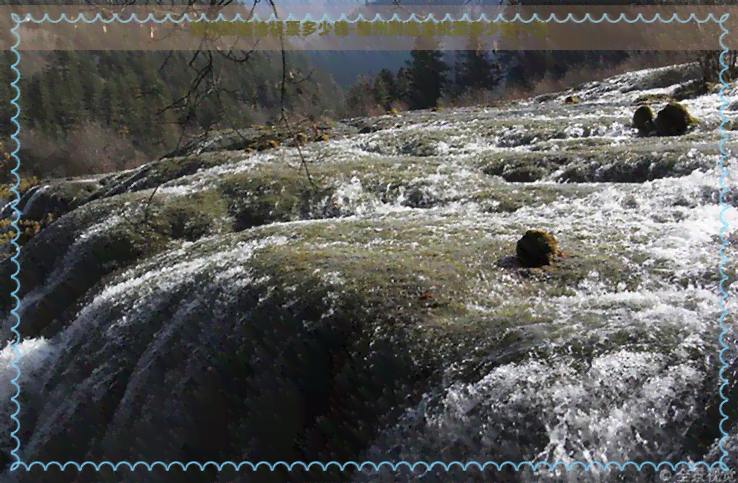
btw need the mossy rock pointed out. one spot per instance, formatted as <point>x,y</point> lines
<point>420,146</point>
<point>643,120</point>
<point>525,167</point>
<point>572,100</point>
<point>268,144</point>
<point>56,199</point>
<point>162,171</point>
<point>525,174</point>
<point>674,120</point>
<point>731,125</point>
<point>192,217</point>
<point>653,98</point>
<point>98,255</point>
<point>540,99</point>
<point>537,248</point>
<point>692,90</point>
<point>268,196</point>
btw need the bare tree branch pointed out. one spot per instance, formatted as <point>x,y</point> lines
<point>206,84</point>
<point>283,91</point>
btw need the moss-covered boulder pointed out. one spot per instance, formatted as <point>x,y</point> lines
<point>647,99</point>
<point>537,248</point>
<point>275,195</point>
<point>692,89</point>
<point>523,167</point>
<point>674,120</point>
<point>192,217</point>
<point>643,120</point>
<point>268,144</point>
<point>572,100</point>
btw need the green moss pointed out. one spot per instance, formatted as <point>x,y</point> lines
<point>652,98</point>
<point>434,284</point>
<point>508,199</point>
<point>277,195</point>
<point>643,120</point>
<point>193,216</point>
<point>169,169</point>
<point>674,120</point>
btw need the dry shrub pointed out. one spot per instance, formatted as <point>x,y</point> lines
<point>89,148</point>
<point>7,163</point>
<point>24,184</point>
<point>374,111</point>
<point>27,228</point>
<point>97,149</point>
<point>477,97</point>
<point>399,106</point>
<point>38,153</point>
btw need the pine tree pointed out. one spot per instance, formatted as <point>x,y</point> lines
<point>381,93</point>
<point>359,97</point>
<point>427,73</point>
<point>475,69</point>
<point>86,72</point>
<point>402,85</point>
<point>387,82</point>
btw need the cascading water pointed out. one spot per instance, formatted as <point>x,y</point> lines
<point>618,364</point>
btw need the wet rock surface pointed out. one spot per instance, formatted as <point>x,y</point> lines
<point>376,310</point>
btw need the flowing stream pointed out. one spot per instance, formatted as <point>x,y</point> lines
<point>619,364</point>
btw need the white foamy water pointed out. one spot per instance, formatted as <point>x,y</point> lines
<point>613,373</point>
<point>625,404</point>
<point>35,355</point>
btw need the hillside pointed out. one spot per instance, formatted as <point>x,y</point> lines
<point>104,113</point>
<point>75,105</point>
<point>229,308</point>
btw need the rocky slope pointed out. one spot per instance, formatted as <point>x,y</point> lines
<point>225,306</point>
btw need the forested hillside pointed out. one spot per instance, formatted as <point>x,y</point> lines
<point>89,111</point>
<point>85,112</point>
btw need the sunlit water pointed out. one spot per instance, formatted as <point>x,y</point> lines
<point>624,402</point>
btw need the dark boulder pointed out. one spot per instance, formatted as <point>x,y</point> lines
<point>674,120</point>
<point>537,248</point>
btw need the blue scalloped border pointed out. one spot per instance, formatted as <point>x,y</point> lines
<point>692,466</point>
<point>724,243</point>
<point>360,17</point>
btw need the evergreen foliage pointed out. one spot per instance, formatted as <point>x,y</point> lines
<point>125,94</point>
<point>427,74</point>
<point>477,67</point>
